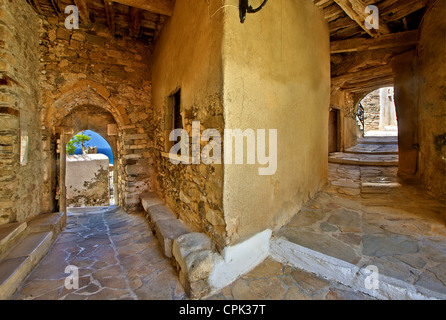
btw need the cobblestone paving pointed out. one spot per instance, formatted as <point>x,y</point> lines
<point>117,256</point>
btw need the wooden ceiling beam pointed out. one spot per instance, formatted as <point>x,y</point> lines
<point>135,22</point>
<point>164,7</point>
<point>356,10</point>
<point>408,38</point>
<point>322,3</point>
<point>400,10</point>
<point>37,6</point>
<point>369,85</point>
<point>363,75</point>
<point>56,7</point>
<point>332,12</point>
<point>83,10</point>
<point>110,13</point>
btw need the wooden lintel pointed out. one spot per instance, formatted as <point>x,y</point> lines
<point>164,7</point>
<point>408,38</point>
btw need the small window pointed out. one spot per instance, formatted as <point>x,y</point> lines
<point>173,117</point>
<point>178,120</point>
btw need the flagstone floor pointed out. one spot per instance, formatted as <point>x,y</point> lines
<point>117,255</point>
<point>365,211</point>
<point>366,216</point>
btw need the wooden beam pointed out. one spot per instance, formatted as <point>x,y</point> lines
<point>135,22</point>
<point>362,75</point>
<point>332,12</point>
<point>164,7</point>
<point>56,7</point>
<point>83,10</point>
<point>110,13</point>
<point>36,5</point>
<point>400,10</point>
<point>355,9</point>
<point>158,27</point>
<point>370,85</point>
<point>322,3</point>
<point>408,38</point>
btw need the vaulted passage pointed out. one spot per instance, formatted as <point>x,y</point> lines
<point>237,141</point>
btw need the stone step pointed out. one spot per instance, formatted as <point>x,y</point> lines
<point>149,199</point>
<point>394,281</point>
<point>163,221</point>
<point>363,159</point>
<point>10,234</point>
<point>378,140</point>
<point>374,149</point>
<point>21,260</point>
<point>23,245</point>
<point>54,222</point>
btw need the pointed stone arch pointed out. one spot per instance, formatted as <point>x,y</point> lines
<point>84,93</point>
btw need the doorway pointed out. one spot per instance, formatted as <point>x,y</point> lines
<point>89,171</point>
<point>333,130</point>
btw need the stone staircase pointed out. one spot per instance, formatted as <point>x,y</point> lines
<point>23,245</point>
<point>370,151</point>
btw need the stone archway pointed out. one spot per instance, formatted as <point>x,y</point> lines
<point>132,144</point>
<point>83,118</point>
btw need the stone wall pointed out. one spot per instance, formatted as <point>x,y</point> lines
<point>371,104</point>
<point>187,56</point>
<point>22,193</point>
<point>89,67</point>
<point>87,180</point>
<point>379,110</point>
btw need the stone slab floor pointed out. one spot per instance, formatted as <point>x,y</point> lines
<point>119,259</point>
<point>366,216</point>
<point>365,213</point>
<point>117,255</point>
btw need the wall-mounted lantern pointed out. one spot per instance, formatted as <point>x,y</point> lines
<point>244,8</point>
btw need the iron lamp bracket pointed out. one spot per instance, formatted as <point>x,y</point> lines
<point>245,8</point>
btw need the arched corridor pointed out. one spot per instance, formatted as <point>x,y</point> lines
<point>283,189</point>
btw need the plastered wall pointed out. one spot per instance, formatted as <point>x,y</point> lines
<point>276,76</point>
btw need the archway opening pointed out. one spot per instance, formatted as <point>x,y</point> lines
<point>89,171</point>
<point>376,115</point>
<point>97,120</point>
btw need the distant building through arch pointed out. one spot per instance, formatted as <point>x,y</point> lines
<point>379,113</point>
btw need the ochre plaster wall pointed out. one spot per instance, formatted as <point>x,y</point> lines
<point>432,99</point>
<point>276,76</point>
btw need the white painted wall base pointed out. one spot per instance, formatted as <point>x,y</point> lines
<point>239,260</point>
<point>346,273</point>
